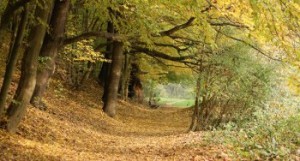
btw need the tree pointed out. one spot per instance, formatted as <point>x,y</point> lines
<point>10,9</point>
<point>14,53</point>
<point>104,72</point>
<point>52,43</point>
<point>25,89</point>
<point>182,33</point>
<point>125,79</point>
<point>114,79</point>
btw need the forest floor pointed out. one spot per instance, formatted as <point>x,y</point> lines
<point>75,128</point>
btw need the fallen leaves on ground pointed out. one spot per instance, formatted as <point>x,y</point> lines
<point>75,128</point>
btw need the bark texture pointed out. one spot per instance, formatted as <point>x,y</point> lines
<point>104,72</point>
<point>114,78</point>
<point>103,77</point>
<point>27,82</point>
<point>11,65</point>
<point>196,115</point>
<point>52,43</point>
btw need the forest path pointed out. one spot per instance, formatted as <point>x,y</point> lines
<point>75,128</point>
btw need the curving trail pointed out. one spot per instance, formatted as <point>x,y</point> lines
<point>74,128</point>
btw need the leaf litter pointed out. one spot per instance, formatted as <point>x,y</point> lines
<point>75,128</point>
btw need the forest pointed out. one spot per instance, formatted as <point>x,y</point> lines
<point>149,80</point>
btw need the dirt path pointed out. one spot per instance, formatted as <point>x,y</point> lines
<point>74,128</point>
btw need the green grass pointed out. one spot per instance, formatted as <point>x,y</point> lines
<point>176,102</point>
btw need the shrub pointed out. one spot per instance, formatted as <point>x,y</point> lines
<point>273,132</point>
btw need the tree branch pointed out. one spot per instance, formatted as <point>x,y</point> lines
<point>172,46</point>
<point>177,48</point>
<point>176,28</point>
<point>176,38</point>
<point>228,24</point>
<point>154,53</point>
<point>206,9</point>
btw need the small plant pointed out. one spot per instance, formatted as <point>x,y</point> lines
<point>59,90</point>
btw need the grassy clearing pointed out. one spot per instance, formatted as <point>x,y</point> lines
<point>176,102</point>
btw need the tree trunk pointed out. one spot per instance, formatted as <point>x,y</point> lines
<point>17,108</point>
<point>125,77</point>
<point>103,77</point>
<point>114,78</point>
<point>195,118</point>
<point>7,14</point>
<point>104,72</point>
<point>135,87</point>
<point>52,43</point>
<point>11,65</point>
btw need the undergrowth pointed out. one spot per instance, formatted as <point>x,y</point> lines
<point>271,133</point>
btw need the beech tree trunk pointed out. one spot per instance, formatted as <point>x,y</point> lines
<point>103,77</point>
<point>111,91</point>
<point>17,108</point>
<point>104,72</point>
<point>52,43</point>
<point>196,115</point>
<point>11,65</point>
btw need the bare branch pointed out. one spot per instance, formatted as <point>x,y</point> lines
<point>206,9</point>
